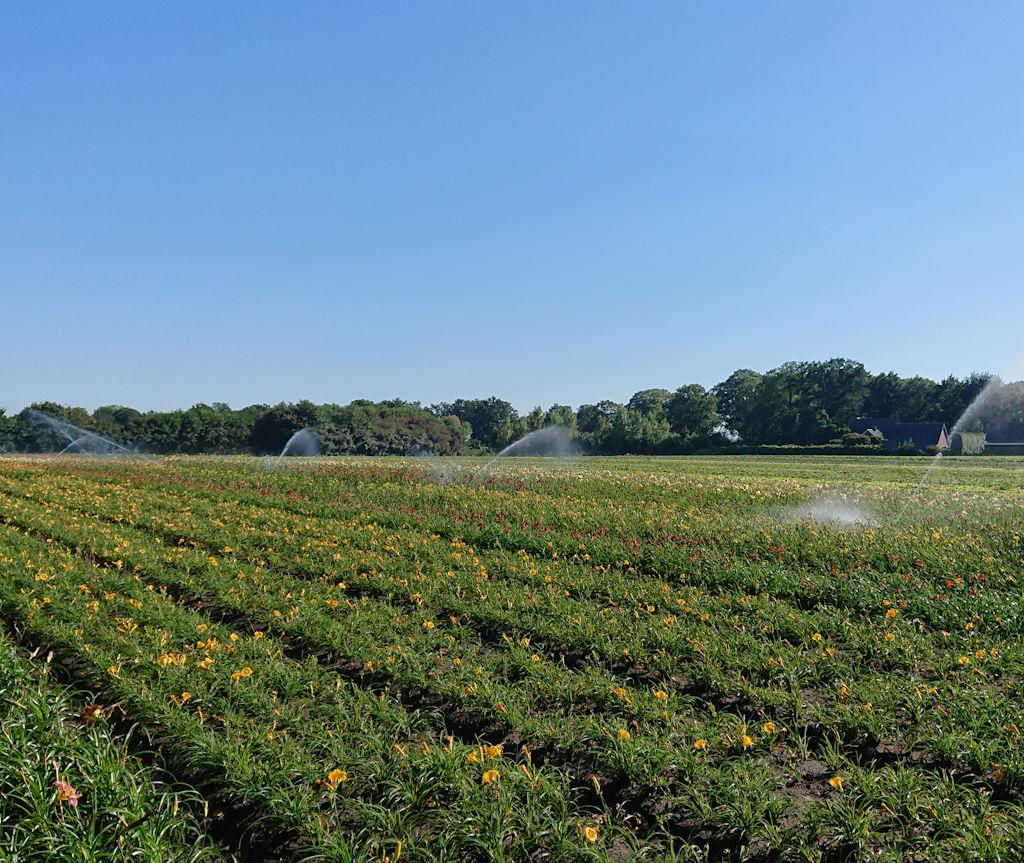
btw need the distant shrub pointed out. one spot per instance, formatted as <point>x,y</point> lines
<point>855,439</point>
<point>908,447</point>
<point>792,449</point>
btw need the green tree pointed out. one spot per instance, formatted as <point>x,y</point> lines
<point>117,422</point>
<point>735,397</point>
<point>692,411</point>
<point>837,388</point>
<point>601,426</point>
<point>271,431</point>
<point>954,396</point>
<point>884,395</point>
<point>6,431</point>
<point>634,431</point>
<point>495,422</point>
<point>534,420</point>
<point>560,415</point>
<point>650,403</point>
<point>917,399</point>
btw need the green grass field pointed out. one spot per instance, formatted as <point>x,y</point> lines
<point>601,659</point>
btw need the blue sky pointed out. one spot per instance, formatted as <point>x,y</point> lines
<point>255,202</point>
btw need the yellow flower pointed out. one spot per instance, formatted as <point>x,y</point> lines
<point>185,696</point>
<point>769,728</point>
<point>964,660</point>
<point>891,613</point>
<point>836,782</point>
<point>495,751</point>
<point>489,777</point>
<point>747,741</point>
<point>623,734</point>
<point>242,672</point>
<point>660,694</point>
<point>473,757</point>
<point>590,833</point>
<point>428,624</point>
<point>336,777</point>
<point>257,635</point>
<point>700,744</point>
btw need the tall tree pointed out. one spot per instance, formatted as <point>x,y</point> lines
<point>692,411</point>
<point>495,422</point>
<point>560,415</point>
<point>650,403</point>
<point>735,398</point>
<point>883,395</point>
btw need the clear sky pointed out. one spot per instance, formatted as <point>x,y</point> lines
<point>255,202</point>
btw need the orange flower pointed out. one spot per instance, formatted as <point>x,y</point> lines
<point>623,734</point>
<point>700,744</point>
<point>769,728</point>
<point>660,694</point>
<point>242,672</point>
<point>336,777</point>
<point>489,777</point>
<point>92,714</point>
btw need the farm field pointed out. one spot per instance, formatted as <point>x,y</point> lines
<point>599,659</point>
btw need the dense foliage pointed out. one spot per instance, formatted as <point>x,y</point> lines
<point>73,790</point>
<point>642,659</point>
<point>809,404</point>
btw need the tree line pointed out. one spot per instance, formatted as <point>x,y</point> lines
<point>798,403</point>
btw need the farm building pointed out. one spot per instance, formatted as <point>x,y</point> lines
<point>1004,448</point>
<point>892,432</point>
<point>1005,437</point>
